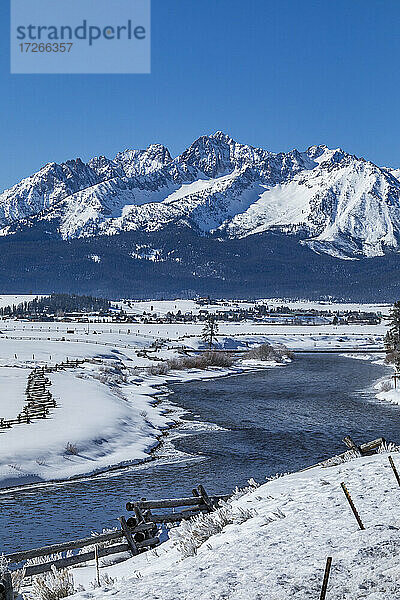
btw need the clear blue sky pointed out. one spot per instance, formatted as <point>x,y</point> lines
<point>273,73</point>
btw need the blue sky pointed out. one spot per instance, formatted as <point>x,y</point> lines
<point>278,74</point>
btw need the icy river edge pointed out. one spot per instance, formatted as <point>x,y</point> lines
<point>121,424</point>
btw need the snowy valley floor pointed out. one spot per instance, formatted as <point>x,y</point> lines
<point>281,532</point>
<point>107,408</point>
<point>110,411</point>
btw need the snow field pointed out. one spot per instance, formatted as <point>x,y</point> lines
<point>12,388</point>
<point>10,299</point>
<point>102,426</point>
<point>281,551</point>
<point>162,307</point>
<point>125,336</point>
<point>106,409</point>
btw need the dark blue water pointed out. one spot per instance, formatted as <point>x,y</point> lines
<point>274,420</point>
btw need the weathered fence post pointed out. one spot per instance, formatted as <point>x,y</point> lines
<point>96,558</point>
<point>353,508</point>
<point>139,515</point>
<point>350,443</point>
<point>396,474</point>
<point>129,536</point>
<point>326,578</point>
<point>204,496</point>
<point>6,588</point>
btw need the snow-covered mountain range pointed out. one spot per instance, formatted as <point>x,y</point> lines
<point>336,203</point>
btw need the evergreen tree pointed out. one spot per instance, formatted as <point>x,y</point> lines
<point>392,338</point>
<point>210,330</point>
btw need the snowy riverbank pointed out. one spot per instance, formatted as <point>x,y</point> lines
<point>387,392</point>
<point>385,387</point>
<point>110,411</point>
<point>290,526</point>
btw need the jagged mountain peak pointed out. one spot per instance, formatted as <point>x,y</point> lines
<point>159,153</point>
<point>142,162</point>
<point>323,154</point>
<point>222,137</point>
<point>339,203</point>
<point>316,151</point>
<point>218,154</point>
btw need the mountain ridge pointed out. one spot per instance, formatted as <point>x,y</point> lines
<point>340,204</point>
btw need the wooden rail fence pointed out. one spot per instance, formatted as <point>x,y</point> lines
<point>137,534</point>
<point>364,449</point>
<point>39,399</point>
<point>143,536</point>
<point>194,505</point>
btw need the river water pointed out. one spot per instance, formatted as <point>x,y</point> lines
<point>269,421</point>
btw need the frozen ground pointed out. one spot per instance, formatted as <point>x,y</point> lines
<point>161,307</point>
<point>107,409</point>
<point>293,524</point>
<point>12,387</point>
<point>108,338</point>
<point>93,427</point>
<point>387,391</point>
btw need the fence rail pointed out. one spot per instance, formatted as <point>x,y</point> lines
<point>137,534</point>
<point>196,504</point>
<point>16,557</point>
<point>144,532</point>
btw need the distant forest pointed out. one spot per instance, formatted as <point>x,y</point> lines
<point>57,304</point>
<point>265,265</point>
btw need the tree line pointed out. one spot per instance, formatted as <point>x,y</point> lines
<point>57,304</point>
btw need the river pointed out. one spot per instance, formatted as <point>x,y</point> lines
<point>270,421</point>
